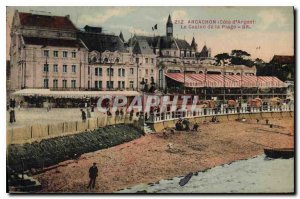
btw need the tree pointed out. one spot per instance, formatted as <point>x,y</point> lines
<point>240,53</point>
<point>240,57</point>
<point>221,58</point>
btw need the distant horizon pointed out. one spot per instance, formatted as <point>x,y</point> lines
<point>271,34</point>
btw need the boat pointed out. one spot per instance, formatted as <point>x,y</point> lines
<point>284,153</point>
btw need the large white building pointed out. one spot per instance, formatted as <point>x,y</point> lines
<point>50,52</point>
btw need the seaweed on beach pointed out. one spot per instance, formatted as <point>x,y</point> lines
<point>51,151</point>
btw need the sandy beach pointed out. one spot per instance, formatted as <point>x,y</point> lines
<point>148,160</point>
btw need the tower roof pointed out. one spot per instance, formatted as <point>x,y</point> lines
<point>169,19</point>
<point>194,45</point>
<point>121,36</point>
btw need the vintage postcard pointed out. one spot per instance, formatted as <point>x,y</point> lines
<point>150,100</point>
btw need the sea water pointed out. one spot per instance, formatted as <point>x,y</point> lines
<point>256,175</point>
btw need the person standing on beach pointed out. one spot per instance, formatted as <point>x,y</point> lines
<point>93,173</point>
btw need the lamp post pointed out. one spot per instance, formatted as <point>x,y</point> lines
<point>205,82</point>
<point>137,71</point>
<point>224,86</point>
<point>183,79</point>
<point>111,61</point>
<point>143,83</point>
<point>47,70</point>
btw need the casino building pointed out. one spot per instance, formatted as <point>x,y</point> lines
<point>50,54</point>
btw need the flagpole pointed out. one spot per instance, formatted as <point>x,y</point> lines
<point>205,86</point>
<point>224,84</point>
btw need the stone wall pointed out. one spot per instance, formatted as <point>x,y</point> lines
<point>37,132</point>
<point>47,152</point>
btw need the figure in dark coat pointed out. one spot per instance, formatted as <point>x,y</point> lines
<point>93,173</point>
<point>83,115</point>
<point>12,116</point>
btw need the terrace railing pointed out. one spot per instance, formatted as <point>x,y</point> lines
<point>174,115</point>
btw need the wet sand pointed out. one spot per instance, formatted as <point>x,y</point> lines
<point>148,160</point>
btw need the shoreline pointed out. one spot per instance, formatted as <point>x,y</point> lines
<point>199,179</point>
<point>147,160</point>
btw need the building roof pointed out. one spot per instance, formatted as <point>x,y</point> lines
<point>162,42</point>
<point>53,42</point>
<point>142,47</point>
<point>102,42</point>
<point>183,44</point>
<point>283,59</point>
<point>231,81</point>
<point>46,21</point>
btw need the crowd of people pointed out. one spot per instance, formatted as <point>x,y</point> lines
<point>184,125</point>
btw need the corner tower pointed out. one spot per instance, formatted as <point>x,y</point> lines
<point>169,27</point>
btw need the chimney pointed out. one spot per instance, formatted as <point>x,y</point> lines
<point>67,16</point>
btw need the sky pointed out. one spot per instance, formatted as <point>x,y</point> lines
<point>272,31</point>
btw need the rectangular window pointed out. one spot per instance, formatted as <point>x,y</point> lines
<point>109,85</point>
<point>167,52</point>
<point>46,83</point>
<point>123,84</point>
<point>64,68</point>
<point>55,83</point>
<point>119,84</point>
<point>65,54</point>
<point>137,60</point>
<point>123,72</point>
<point>73,68</point>
<point>152,61</point>
<point>55,53</point>
<point>146,71</point>
<point>152,71</point>
<point>73,83</point>
<point>131,84</point>
<point>55,68</point>
<point>110,72</point>
<point>46,53</point>
<point>73,54</point>
<point>89,70</point>
<point>119,72</point>
<point>146,60</point>
<point>96,71</point>
<point>46,68</point>
<point>64,82</point>
<point>182,54</point>
<point>89,84</point>
<point>131,71</point>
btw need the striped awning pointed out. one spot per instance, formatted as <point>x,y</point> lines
<point>229,81</point>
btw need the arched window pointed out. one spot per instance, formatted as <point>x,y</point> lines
<point>94,59</point>
<point>105,60</point>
